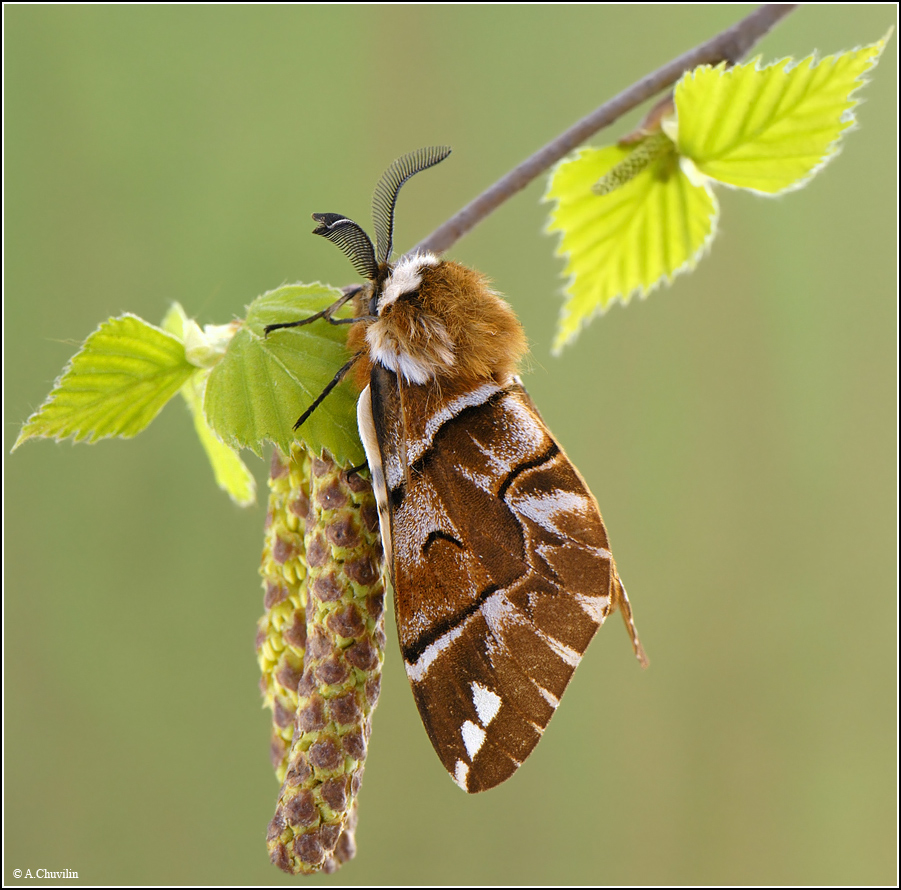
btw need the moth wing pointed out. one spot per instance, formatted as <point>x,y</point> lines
<point>501,567</point>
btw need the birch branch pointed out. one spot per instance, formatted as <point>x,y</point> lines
<point>730,45</point>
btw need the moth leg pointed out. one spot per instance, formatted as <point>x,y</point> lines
<point>325,313</point>
<point>329,387</point>
<point>621,601</point>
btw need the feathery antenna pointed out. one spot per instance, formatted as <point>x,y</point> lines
<point>352,240</point>
<point>385,197</point>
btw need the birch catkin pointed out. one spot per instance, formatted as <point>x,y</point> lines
<point>321,568</point>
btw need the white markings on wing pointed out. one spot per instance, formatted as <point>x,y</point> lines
<point>418,670</point>
<point>545,507</point>
<point>549,697</point>
<point>566,655</point>
<point>461,773</point>
<point>523,436</point>
<point>497,611</point>
<point>596,607</point>
<point>486,702</point>
<point>470,399</point>
<point>473,738</point>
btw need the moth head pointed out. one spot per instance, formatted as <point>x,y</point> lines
<point>422,317</point>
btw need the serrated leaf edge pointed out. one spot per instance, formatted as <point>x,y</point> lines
<point>815,59</point>
<point>639,292</point>
<point>90,435</point>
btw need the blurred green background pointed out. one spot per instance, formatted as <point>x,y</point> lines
<point>738,430</point>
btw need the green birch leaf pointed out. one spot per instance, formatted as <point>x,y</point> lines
<point>647,229</point>
<point>263,384</point>
<point>768,129</point>
<point>203,349</point>
<point>232,474</point>
<point>114,386</point>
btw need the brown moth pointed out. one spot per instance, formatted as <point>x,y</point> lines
<point>499,558</point>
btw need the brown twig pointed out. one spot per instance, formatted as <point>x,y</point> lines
<point>729,46</point>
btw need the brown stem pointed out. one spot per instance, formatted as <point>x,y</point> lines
<point>729,46</point>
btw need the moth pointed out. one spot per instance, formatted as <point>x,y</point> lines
<point>496,549</point>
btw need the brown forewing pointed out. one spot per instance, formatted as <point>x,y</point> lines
<point>502,569</point>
